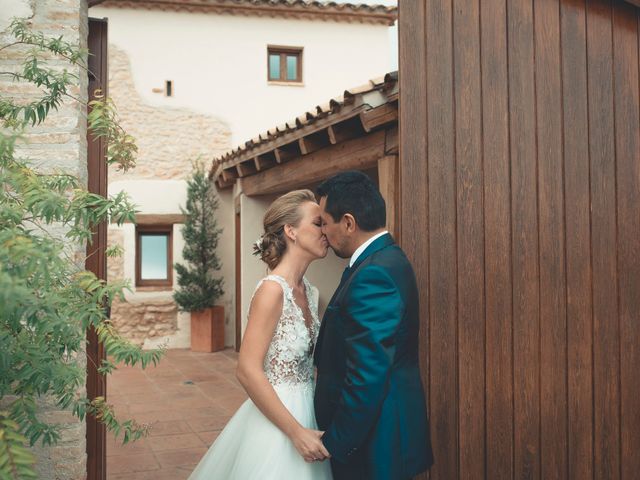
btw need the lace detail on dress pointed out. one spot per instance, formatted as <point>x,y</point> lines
<point>289,359</point>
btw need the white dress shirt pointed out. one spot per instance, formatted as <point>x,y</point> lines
<point>363,247</point>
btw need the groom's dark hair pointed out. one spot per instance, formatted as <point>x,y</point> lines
<point>353,192</point>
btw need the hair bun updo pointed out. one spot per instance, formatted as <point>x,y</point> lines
<point>270,248</point>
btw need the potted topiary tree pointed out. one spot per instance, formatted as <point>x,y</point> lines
<point>198,287</point>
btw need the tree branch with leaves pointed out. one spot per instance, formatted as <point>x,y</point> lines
<point>47,299</point>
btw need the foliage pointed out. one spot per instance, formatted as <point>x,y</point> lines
<point>199,289</point>
<point>47,299</point>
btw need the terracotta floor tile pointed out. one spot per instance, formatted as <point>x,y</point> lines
<point>220,384</point>
<point>149,390</point>
<point>208,423</point>
<point>231,403</point>
<point>187,391</point>
<point>137,398</point>
<point>184,456</point>
<point>169,428</point>
<point>186,418</point>
<point>158,416</point>
<point>212,411</point>
<point>174,442</point>
<point>133,463</point>
<point>177,473</point>
<point>132,448</point>
<point>208,437</point>
<point>198,375</point>
<point>195,402</point>
<point>152,405</point>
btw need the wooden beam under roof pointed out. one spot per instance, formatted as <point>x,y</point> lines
<point>359,153</point>
<point>391,141</point>
<point>285,141</point>
<point>379,116</point>
<point>332,135</point>
<point>157,219</point>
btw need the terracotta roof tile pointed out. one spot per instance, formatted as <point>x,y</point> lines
<point>354,101</point>
<point>304,9</point>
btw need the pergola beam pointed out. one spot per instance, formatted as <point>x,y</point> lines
<point>359,153</point>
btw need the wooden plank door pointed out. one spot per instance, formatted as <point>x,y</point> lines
<point>520,211</point>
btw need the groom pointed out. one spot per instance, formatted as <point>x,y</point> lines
<point>369,398</point>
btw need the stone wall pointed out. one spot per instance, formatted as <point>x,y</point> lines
<point>148,318</point>
<point>168,139</point>
<point>59,143</point>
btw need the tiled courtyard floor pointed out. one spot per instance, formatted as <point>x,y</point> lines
<point>188,398</point>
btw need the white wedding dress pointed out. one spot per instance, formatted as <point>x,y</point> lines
<point>250,446</point>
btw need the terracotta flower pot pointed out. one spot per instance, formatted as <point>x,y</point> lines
<point>207,329</point>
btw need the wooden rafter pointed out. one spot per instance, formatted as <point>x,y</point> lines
<point>282,142</point>
<point>332,135</point>
<point>376,117</point>
<point>359,153</point>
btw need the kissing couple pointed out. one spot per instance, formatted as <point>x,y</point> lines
<point>341,398</point>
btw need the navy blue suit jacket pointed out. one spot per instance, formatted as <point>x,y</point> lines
<point>369,398</point>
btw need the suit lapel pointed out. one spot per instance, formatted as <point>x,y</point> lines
<point>376,245</point>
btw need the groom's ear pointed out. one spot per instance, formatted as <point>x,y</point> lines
<point>350,222</point>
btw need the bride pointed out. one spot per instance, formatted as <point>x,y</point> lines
<point>274,435</point>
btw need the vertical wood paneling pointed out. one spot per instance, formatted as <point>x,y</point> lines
<point>528,241</point>
<point>578,244</point>
<point>524,221</point>
<point>627,127</point>
<point>414,179</point>
<point>470,237</point>
<point>603,240</point>
<point>497,220</point>
<point>553,356</point>
<point>442,282</point>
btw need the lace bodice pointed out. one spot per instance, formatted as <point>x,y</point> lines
<point>289,359</point>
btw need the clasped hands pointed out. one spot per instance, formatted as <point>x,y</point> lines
<point>309,444</point>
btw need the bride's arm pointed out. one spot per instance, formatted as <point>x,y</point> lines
<point>264,314</point>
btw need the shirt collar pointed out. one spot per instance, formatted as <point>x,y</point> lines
<point>364,246</point>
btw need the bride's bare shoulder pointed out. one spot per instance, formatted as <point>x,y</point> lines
<point>269,294</point>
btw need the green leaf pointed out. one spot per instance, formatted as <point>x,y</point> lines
<point>47,300</point>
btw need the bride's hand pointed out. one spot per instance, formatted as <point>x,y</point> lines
<point>309,445</point>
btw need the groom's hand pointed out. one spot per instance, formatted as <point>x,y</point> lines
<point>307,442</point>
<point>324,451</point>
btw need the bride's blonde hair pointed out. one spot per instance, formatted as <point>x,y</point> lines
<point>285,210</point>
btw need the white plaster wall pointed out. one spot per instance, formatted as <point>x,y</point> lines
<point>252,269</point>
<point>218,63</point>
<point>153,196</point>
<point>226,252</point>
